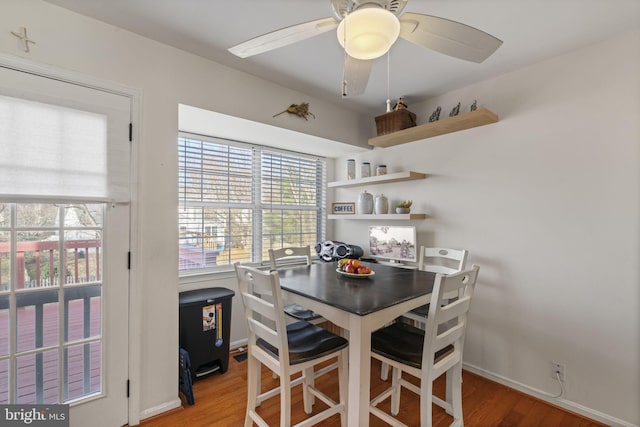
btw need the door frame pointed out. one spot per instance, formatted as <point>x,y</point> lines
<point>135,273</point>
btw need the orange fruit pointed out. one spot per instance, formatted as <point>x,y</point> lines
<point>362,270</point>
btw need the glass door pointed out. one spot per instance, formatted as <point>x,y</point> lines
<point>64,243</point>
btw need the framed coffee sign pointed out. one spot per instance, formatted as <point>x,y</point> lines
<point>343,208</point>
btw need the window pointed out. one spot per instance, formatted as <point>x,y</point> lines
<point>50,256</point>
<point>238,200</point>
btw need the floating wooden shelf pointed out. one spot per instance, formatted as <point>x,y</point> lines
<point>479,117</point>
<point>380,179</point>
<point>386,217</point>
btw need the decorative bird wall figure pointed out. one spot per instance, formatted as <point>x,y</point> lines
<point>301,110</point>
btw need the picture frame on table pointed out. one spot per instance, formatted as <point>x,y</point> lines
<point>343,208</point>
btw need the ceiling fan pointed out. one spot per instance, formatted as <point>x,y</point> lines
<point>368,28</point>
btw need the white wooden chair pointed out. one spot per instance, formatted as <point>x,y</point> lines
<point>429,353</point>
<point>291,257</point>
<point>435,260</point>
<point>438,260</point>
<point>286,350</point>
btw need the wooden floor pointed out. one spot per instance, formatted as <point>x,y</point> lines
<point>220,402</point>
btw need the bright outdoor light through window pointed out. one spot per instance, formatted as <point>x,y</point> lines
<point>239,200</point>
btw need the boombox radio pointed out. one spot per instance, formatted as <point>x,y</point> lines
<point>330,250</point>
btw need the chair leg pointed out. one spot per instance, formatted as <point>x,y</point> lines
<point>343,386</point>
<point>396,376</point>
<point>253,388</point>
<point>448,397</point>
<point>426,402</point>
<point>307,396</point>
<point>456,393</point>
<point>384,372</point>
<point>285,401</point>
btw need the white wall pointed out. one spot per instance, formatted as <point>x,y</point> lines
<point>547,202</point>
<point>167,77</point>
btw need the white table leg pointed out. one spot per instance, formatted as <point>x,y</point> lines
<point>359,373</point>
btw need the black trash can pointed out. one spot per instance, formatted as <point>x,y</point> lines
<point>205,317</point>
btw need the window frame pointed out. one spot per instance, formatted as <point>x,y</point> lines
<point>256,205</point>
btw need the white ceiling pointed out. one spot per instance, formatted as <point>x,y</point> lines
<point>531,30</point>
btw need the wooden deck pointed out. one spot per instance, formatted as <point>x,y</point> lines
<point>83,361</point>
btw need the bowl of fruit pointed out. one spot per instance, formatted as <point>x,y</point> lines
<point>354,268</point>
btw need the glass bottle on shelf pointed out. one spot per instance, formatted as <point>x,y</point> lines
<point>365,170</point>
<point>351,169</point>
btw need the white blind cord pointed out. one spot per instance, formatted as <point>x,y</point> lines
<point>388,80</point>
<point>344,62</point>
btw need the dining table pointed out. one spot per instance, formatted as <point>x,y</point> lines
<point>359,305</point>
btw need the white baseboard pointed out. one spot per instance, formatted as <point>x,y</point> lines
<point>236,344</point>
<point>157,410</point>
<point>167,406</point>
<point>539,394</point>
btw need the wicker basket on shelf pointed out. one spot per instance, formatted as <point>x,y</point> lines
<point>395,121</point>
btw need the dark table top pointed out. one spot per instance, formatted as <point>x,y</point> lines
<point>362,296</point>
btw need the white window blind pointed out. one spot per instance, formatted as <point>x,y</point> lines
<point>62,141</point>
<point>239,200</point>
<point>292,188</point>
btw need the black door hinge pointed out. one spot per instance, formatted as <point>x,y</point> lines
<point>130,132</point>
<point>127,388</point>
<point>128,260</point>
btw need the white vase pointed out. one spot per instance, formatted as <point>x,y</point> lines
<point>381,205</point>
<point>365,203</point>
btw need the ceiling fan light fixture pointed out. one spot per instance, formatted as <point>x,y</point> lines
<point>370,32</point>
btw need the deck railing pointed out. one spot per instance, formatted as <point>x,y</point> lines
<point>82,262</point>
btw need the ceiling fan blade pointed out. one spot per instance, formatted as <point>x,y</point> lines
<point>356,76</point>
<point>449,37</point>
<point>283,37</point>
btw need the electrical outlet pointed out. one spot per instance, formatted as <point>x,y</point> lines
<point>557,368</point>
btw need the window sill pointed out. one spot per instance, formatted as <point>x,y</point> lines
<point>196,278</point>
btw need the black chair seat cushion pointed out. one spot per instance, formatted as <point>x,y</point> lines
<point>300,312</point>
<point>423,310</point>
<point>307,342</point>
<point>403,343</point>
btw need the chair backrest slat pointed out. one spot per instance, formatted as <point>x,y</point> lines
<point>452,310</point>
<point>451,336</point>
<point>262,331</point>
<point>442,260</point>
<point>289,256</point>
<point>260,306</point>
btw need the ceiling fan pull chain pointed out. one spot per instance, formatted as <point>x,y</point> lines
<point>345,88</point>
<point>388,80</point>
